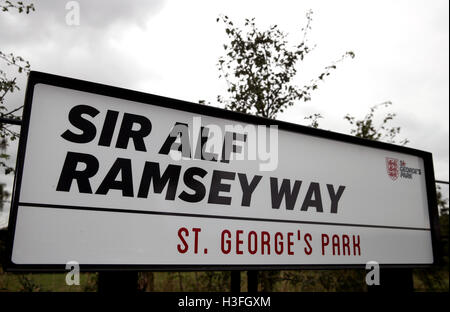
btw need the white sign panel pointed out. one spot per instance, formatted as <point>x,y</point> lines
<point>113,177</point>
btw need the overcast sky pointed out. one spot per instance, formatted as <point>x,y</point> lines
<point>171,48</point>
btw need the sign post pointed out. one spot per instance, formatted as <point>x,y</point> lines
<point>121,180</point>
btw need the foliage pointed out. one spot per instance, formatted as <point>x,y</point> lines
<point>146,281</point>
<point>6,5</point>
<point>28,284</point>
<point>367,129</point>
<point>9,85</point>
<point>206,281</point>
<point>90,285</point>
<point>4,195</point>
<point>442,202</point>
<point>216,281</point>
<point>259,67</point>
<point>314,118</point>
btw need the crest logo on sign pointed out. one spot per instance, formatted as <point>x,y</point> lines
<point>392,168</point>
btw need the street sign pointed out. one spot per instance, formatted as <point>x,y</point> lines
<point>118,179</point>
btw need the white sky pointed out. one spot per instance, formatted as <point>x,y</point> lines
<point>171,48</point>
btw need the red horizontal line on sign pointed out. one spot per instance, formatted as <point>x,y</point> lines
<point>193,215</point>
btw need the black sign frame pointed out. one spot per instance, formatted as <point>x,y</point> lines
<point>144,98</point>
